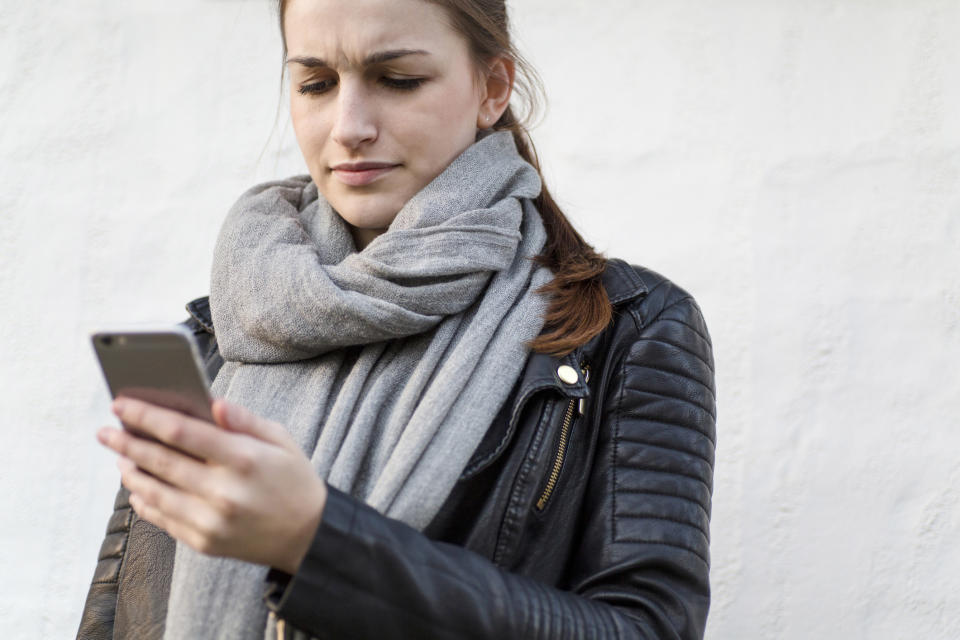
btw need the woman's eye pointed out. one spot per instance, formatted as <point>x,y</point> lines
<point>317,87</point>
<point>401,84</point>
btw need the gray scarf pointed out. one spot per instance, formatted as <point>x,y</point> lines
<point>386,365</point>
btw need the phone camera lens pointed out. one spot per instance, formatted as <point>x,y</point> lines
<point>106,341</point>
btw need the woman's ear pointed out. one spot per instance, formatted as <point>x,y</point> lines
<point>495,92</point>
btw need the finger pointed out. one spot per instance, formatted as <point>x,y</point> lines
<point>157,517</point>
<point>236,418</point>
<point>115,439</point>
<point>196,437</point>
<point>177,529</point>
<point>165,463</point>
<point>129,446</point>
<point>166,506</point>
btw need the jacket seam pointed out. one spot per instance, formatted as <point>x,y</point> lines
<point>668,307</point>
<point>679,374</point>
<point>671,473</point>
<point>706,335</point>
<point>614,452</point>
<point>677,425</point>
<point>666,544</point>
<point>679,348</point>
<point>654,445</point>
<point>126,540</point>
<point>640,516</point>
<point>678,399</point>
<point>641,325</point>
<point>691,327</point>
<point>664,494</point>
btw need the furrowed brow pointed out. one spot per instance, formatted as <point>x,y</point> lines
<point>374,58</point>
<point>307,61</point>
<point>384,56</point>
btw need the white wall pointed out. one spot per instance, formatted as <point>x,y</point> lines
<point>795,165</point>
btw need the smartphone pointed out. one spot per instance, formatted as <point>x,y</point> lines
<point>160,366</point>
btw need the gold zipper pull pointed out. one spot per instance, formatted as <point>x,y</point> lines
<point>279,624</point>
<point>585,370</point>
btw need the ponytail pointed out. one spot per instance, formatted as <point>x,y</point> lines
<point>579,308</point>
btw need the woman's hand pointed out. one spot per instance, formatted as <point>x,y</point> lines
<point>245,490</point>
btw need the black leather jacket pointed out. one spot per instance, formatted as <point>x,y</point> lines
<point>584,513</point>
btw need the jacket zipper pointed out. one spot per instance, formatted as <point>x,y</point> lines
<point>562,445</point>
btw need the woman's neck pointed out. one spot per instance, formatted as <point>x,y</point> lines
<point>363,237</point>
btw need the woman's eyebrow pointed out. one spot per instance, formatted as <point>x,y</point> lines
<point>373,58</point>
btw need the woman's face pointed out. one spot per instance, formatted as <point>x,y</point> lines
<point>383,96</point>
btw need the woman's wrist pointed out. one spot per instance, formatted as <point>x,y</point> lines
<point>297,550</point>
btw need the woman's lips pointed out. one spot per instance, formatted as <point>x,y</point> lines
<point>359,174</point>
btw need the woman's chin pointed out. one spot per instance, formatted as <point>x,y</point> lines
<point>370,209</point>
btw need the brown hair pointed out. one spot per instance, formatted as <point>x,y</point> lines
<point>579,308</point>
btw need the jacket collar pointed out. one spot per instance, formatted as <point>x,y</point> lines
<point>622,285</point>
<point>199,311</point>
<point>622,282</point>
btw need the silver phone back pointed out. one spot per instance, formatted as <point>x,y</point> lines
<point>158,366</point>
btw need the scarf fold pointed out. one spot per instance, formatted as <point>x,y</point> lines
<point>386,365</point>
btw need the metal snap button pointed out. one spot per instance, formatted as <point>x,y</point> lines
<point>567,374</point>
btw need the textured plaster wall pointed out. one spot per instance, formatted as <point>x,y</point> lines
<point>795,165</point>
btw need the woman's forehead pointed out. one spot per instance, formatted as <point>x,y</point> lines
<point>349,32</point>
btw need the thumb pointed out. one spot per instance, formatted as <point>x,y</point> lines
<point>233,417</point>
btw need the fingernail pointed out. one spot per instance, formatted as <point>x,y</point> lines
<point>118,405</point>
<point>102,434</point>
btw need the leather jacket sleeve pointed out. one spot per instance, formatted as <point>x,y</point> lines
<point>100,608</point>
<point>133,551</point>
<point>640,567</point>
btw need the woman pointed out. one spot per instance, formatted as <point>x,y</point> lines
<point>421,431</point>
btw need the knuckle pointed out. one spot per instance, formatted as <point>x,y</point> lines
<point>167,470</point>
<point>137,413</point>
<point>151,495</point>
<point>226,506</point>
<point>246,462</point>
<point>176,433</point>
<point>160,463</point>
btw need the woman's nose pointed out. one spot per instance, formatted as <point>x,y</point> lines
<point>355,120</point>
